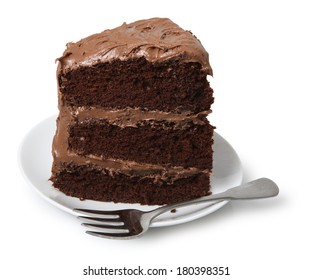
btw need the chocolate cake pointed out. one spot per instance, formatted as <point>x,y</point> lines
<point>132,124</point>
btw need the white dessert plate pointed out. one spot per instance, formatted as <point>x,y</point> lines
<point>35,161</point>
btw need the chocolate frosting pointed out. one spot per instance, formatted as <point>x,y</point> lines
<point>134,116</point>
<point>156,39</point>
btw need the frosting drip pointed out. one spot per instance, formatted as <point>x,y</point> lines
<point>156,39</point>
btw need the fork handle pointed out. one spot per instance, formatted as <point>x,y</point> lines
<point>260,188</point>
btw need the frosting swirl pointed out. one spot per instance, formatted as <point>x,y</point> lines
<point>156,39</point>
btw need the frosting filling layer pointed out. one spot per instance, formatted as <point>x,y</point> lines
<point>133,116</point>
<point>134,169</point>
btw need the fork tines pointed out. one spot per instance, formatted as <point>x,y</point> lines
<point>106,223</point>
<point>97,213</point>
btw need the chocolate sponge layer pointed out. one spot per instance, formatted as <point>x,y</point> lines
<point>156,143</point>
<point>87,182</point>
<point>165,86</point>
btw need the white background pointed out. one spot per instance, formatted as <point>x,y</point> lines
<point>260,52</point>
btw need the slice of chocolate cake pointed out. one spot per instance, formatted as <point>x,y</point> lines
<point>133,122</point>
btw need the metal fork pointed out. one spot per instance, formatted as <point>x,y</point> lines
<point>130,223</point>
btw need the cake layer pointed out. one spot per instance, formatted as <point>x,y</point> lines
<point>149,142</point>
<point>122,119</point>
<point>167,86</point>
<point>89,182</point>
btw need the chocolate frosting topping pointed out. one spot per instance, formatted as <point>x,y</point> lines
<point>156,39</point>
